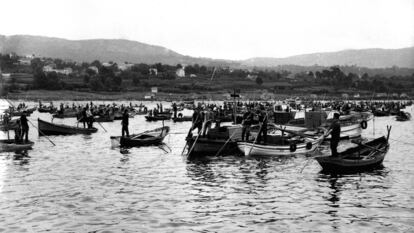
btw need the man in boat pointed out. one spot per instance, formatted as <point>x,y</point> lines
<point>89,118</point>
<point>197,120</point>
<point>83,117</point>
<point>335,134</point>
<point>262,114</point>
<point>25,127</point>
<point>18,132</point>
<point>246,123</point>
<point>125,123</point>
<point>175,109</point>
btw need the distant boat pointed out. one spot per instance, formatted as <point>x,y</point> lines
<point>365,156</point>
<point>181,119</point>
<point>159,117</point>
<point>67,113</point>
<point>403,116</point>
<point>49,128</point>
<point>147,138</point>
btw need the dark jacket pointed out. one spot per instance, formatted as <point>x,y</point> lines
<point>125,119</point>
<point>23,121</point>
<point>336,130</point>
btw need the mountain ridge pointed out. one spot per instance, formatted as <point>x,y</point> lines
<point>123,50</point>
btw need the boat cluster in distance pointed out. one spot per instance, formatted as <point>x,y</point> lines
<point>283,128</point>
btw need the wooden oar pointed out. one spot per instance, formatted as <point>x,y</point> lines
<point>140,134</point>
<point>370,147</point>
<point>194,143</point>
<point>101,126</point>
<point>188,134</point>
<point>255,140</point>
<point>42,133</point>
<point>228,140</point>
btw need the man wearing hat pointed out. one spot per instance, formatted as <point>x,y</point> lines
<point>25,127</point>
<point>335,134</point>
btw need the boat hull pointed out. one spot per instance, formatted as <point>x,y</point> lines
<point>351,161</point>
<point>10,145</point>
<point>153,137</point>
<point>254,149</point>
<point>210,147</point>
<point>48,128</point>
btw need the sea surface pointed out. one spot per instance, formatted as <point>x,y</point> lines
<point>84,185</point>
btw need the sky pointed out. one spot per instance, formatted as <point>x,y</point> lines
<point>227,29</point>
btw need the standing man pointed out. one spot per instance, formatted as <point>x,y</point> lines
<point>175,110</point>
<point>125,123</point>
<point>25,127</point>
<point>197,120</point>
<point>263,125</point>
<point>247,122</point>
<point>335,134</point>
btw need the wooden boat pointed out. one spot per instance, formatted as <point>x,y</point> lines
<point>351,125</point>
<point>9,145</point>
<point>381,113</point>
<point>67,113</point>
<point>216,139</point>
<point>47,109</point>
<point>147,138</point>
<point>49,128</point>
<point>283,142</point>
<point>181,119</point>
<point>403,116</point>
<point>104,118</point>
<point>363,157</point>
<point>159,117</point>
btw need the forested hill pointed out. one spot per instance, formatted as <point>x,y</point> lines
<point>117,50</point>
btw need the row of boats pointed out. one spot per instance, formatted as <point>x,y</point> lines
<point>282,140</point>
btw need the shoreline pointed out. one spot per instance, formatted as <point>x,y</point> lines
<point>47,95</point>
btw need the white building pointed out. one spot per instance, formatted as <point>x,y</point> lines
<point>153,71</point>
<point>50,68</point>
<point>180,72</point>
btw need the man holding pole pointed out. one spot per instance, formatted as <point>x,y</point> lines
<point>335,134</point>
<point>262,114</point>
<point>247,122</point>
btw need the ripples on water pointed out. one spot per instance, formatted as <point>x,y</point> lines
<point>82,185</point>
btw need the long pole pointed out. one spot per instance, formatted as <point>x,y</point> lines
<point>228,140</point>
<point>34,125</point>
<point>192,146</point>
<point>189,131</point>
<point>42,133</point>
<point>255,140</point>
<point>101,126</point>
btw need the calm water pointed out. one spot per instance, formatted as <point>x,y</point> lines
<point>82,185</point>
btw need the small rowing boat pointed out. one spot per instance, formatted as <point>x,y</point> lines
<point>9,145</point>
<point>182,119</point>
<point>403,116</point>
<point>49,128</point>
<point>147,138</point>
<point>159,117</point>
<point>364,157</point>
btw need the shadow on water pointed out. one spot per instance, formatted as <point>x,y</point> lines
<point>21,157</point>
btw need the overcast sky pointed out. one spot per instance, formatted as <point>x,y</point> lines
<point>230,29</point>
